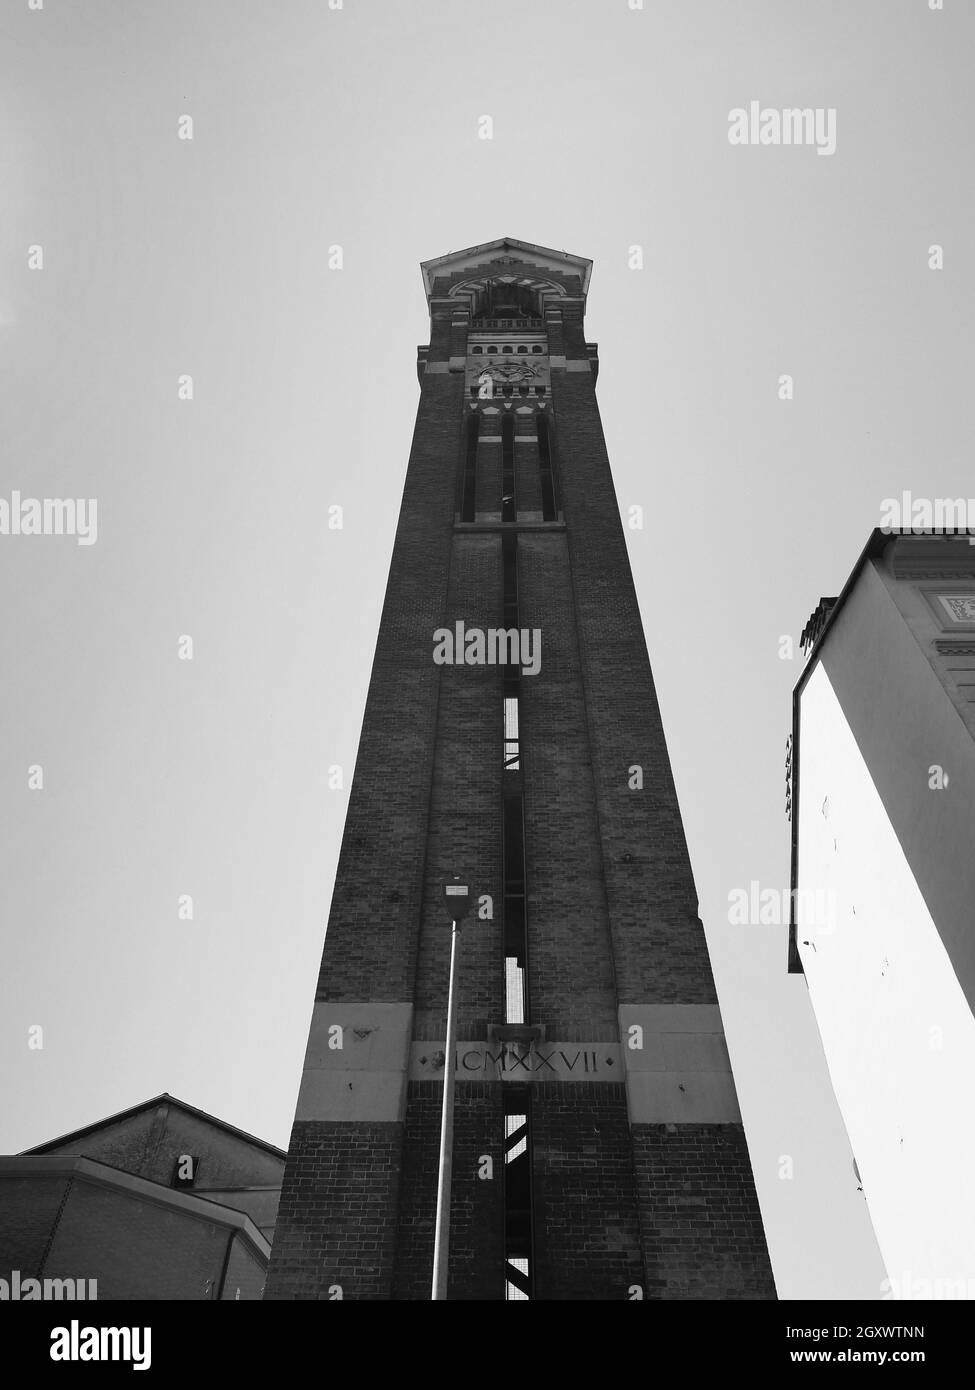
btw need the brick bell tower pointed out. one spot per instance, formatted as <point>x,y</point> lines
<point>598,1145</point>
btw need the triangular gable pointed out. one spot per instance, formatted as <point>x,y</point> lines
<point>65,1143</point>
<point>475,257</point>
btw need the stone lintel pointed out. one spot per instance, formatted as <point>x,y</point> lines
<point>680,1071</point>
<point>356,1062</point>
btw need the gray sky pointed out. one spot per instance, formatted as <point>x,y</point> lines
<point>165,256</point>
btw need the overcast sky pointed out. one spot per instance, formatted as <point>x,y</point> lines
<point>164,256</point>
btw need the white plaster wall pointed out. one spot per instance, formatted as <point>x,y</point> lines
<point>897,1030</point>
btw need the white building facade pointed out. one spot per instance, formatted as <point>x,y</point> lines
<point>883,805</point>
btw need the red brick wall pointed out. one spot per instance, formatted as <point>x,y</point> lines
<point>612,908</point>
<point>587,1228</point>
<point>464,807</point>
<point>570,957</point>
<point>376,905</point>
<point>488,491</point>
<point>336,1220</point>
<point>528,485</point>
<point>658,941</point>
<point>476,1268</point>
<point>702,1232</point>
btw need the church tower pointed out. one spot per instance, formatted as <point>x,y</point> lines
<point>598,1146</point>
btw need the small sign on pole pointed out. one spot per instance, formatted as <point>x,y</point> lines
<point>457,897</point>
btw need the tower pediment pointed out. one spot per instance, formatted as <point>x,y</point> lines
<point>492,257</point>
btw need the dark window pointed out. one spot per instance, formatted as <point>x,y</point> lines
<point>513,855</point>
<point>508,505</point>
<point>468,501</point>
<point>185,1170</point>
<point>509,560</point>
<point>546,472</point>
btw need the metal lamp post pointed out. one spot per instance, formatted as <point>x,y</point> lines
<point>457,898</point>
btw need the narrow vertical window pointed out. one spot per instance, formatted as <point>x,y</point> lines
<point>509,560</point>
<point>518,1222</point>
<point>514,990</point>
<point>519,1260</point>
<point>508,507</point>
<point>470,468</point>
<point>511,761</point>
<point>545,470</point>
<point>515,928</point>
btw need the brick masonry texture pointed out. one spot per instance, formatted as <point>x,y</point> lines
<point>376,905</point>
<point>587,1227</point>
<point>658,941</point>
<point>476,1268</point>
<point>702,1232</point>
<point>570,960</point>
<point>611,903</point>
<point>336,1221</point>
<point>465,796</point>
<point>489,466</point>
<point>528,485</point>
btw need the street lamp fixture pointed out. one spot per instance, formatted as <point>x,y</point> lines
<point>457,899</point>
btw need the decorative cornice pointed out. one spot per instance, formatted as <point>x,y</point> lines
<point>816,623</point>
<point>933,557</point>
<point>505,251</point>
<point>954,646</point>
<point>919,571</point>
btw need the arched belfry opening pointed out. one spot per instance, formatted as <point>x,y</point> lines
<point>508,299</point>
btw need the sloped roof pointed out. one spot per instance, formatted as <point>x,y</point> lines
<point>473,257</point>
<point>164,1099</point>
